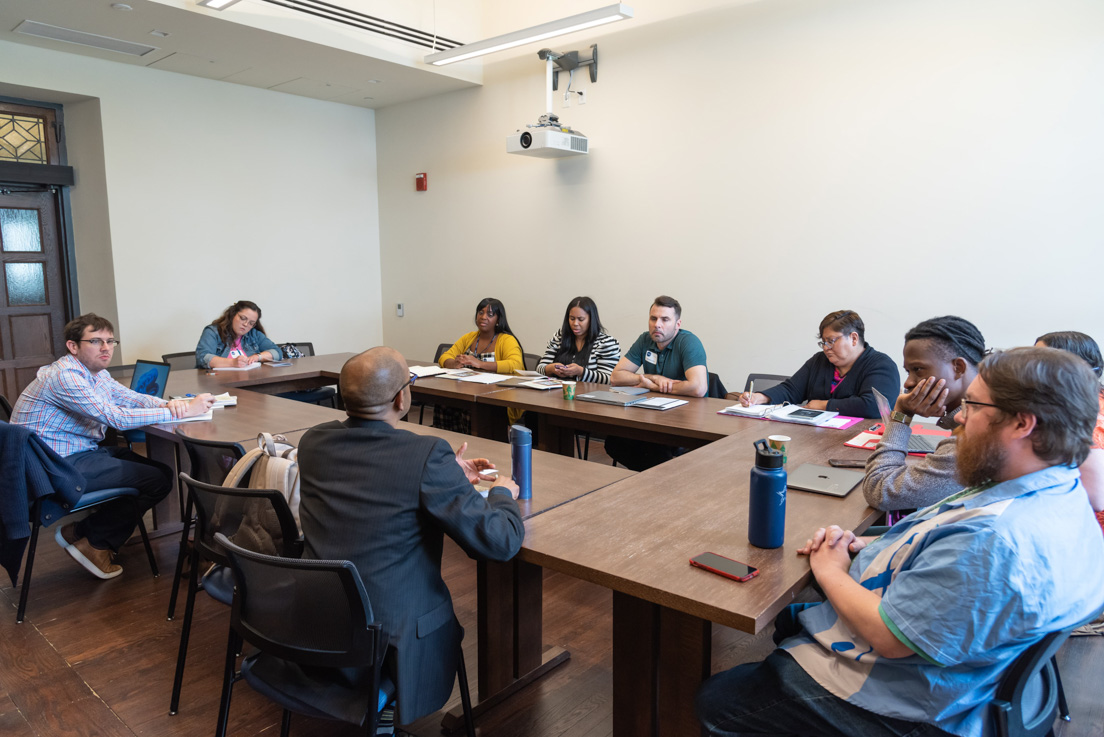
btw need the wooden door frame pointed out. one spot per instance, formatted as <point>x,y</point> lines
<point>58,178</point>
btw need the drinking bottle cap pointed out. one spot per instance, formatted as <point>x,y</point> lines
<point>766,456</point>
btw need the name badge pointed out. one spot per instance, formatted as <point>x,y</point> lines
<point>651,357</point>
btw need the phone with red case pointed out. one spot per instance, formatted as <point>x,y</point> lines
<point>723,566</point>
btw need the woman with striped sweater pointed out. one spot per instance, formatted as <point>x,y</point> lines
<point>581,350</point>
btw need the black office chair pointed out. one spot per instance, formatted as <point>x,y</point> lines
<point>259,516</point>
<point>5,409</point>
<point>716,388</point>
<point>327,394</point>
<point>180,361</point>
<point>531,360</point>
<point>1030,697</point>
<point>437,360</point>
<point>308,613</point>
<point>210,461</point>
<point>763,381</point>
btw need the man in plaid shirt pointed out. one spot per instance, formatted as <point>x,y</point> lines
<point>69,405</point>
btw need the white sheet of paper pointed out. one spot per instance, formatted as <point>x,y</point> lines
<point>485,378</point>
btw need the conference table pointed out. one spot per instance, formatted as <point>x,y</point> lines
<point>632,533</point>
<point>636,538</point>
<point>511,650</point>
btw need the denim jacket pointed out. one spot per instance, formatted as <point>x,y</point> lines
<point>211,345</point>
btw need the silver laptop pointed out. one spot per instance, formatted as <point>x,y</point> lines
<point>924,443</point>
<point>618,398</point>
<point>824,479</point>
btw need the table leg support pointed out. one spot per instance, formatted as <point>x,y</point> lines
<point>660,658</point>
<point>511,650</point>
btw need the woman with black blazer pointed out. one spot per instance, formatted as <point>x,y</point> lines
<point>842,377</point>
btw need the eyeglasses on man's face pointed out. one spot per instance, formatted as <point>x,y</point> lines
<point>409,382</point>
<point>100,342</point>
<point>966,403</point>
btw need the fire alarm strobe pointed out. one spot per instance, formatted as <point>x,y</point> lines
<point>421,182</point>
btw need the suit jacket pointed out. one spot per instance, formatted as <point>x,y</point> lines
<point>31,470</point>
<point>383,498</point>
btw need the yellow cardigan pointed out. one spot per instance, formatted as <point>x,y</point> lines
<point>507,352</point>
<point>508,359</point>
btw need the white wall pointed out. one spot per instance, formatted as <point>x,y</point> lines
<point>766,164</point>
<point>210,192</point>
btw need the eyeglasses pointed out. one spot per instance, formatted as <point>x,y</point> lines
<point>99,342</point>
<point>409,382</point>
<point>246,322</point>
<point>828,343</point>
<point>966,406</point>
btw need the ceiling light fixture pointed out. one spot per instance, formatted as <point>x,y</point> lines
<point>217,4</point>
<point>601,16</point>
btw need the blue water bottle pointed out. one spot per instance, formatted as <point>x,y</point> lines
<point>767,510</point>
<point>521,456</point>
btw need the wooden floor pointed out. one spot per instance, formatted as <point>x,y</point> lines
<point>97,657</point>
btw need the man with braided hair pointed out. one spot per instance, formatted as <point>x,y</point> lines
<point>941,359</point>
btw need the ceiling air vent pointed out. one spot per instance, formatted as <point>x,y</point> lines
<point>367,23</point>
<point>68,35</point>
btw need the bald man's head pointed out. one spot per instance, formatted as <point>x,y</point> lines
<point>370,381</point>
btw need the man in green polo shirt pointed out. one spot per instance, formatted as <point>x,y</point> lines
<point>674,363</point>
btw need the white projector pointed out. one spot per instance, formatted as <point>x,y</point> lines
<point>547,143</point>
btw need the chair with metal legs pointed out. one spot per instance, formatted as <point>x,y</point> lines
<point>259,518</point>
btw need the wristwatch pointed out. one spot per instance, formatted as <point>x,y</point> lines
<point>903,418</point>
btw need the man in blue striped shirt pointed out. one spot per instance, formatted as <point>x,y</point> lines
<point>69,405</point>
<point>920,627</point>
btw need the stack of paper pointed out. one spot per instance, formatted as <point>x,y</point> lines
<point>756,410</point>
<point>423,371</point>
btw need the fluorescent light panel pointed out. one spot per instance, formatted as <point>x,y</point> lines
<point>73,36</point>
<point>560,27</point>
<point>217,4</point>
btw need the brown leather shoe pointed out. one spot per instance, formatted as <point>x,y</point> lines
<point>66,535</point>
<point>97,562</point>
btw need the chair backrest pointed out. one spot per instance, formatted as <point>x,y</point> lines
<point>211,460</point>
<point>259,519</point>
<point>307,349</point>
<point>716,387</point>
<point>1026,703</point>
<point>312,612</point>
<point>121,371</point>
<point>441,351</point>
<point>531,361</point>
<point>5,409</point>
<point>180,361</point>
<point>763,381</point>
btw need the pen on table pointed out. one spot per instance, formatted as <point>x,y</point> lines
<point>751,391</point>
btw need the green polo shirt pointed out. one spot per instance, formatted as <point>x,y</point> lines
<point>682,353</point>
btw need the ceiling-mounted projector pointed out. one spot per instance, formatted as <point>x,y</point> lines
<point>548,139</point>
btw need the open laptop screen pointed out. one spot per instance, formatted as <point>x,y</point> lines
<point>150,377</point>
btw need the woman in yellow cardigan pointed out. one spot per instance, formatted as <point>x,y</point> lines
<point>492,347</point>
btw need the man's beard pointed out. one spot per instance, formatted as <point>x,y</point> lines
<point>981,459</point>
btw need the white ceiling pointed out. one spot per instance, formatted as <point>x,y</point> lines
<point>337,63</point>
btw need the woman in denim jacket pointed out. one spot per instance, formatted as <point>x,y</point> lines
<point>235,339</point>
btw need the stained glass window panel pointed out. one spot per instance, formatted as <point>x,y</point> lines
<point>19,230</point>
<point>22,139</point>
<point>26,284</point>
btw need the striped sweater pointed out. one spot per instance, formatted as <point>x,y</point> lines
<point>604,355</point>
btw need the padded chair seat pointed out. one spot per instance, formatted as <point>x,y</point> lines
<point>333,693</point>
<point>92,498</point>
<point>219,584</point>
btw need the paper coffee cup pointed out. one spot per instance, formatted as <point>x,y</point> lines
<point>569,389</point>
<point>780,443</point>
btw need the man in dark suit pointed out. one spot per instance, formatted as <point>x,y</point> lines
<point>383,498</point>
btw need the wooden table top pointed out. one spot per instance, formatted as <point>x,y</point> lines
<point>557,479</point>
<point>638,535</point>
<point>697,419</point>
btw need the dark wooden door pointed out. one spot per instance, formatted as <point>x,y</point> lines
<point>32,293</point>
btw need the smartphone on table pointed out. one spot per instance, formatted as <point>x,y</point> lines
<point>723,566</point>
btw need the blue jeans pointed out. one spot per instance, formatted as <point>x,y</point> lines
<point>777,697</point>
